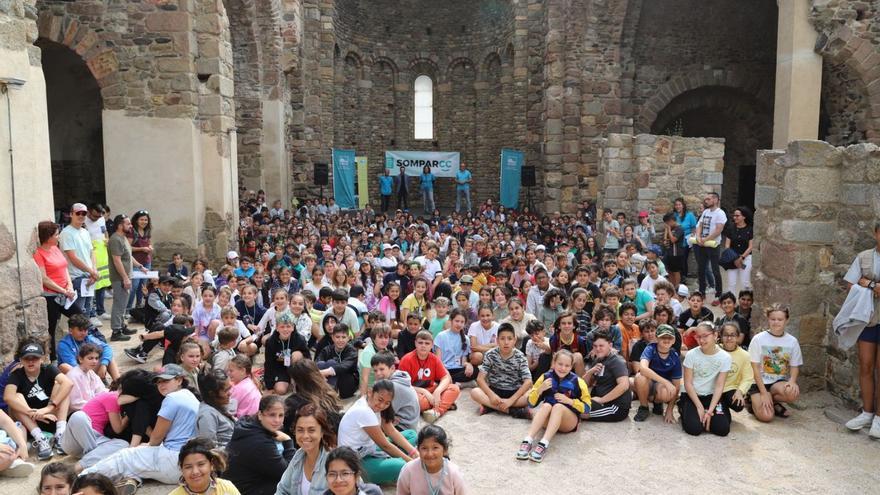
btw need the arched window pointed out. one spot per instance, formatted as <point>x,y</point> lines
<point>424,108</point>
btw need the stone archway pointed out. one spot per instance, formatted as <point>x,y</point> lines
<point>74,105</point>
<point>730,113</point>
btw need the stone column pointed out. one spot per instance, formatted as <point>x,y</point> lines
<point>798,75</point>
<point>273,151</point>
<point>796,227</point>
<point>25,173</point>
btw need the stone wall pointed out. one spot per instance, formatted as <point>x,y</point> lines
<point>816,207</point>
<point>647,172</point>
<point>25,190</point>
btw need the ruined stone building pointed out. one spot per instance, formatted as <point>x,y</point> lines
<point>172,105</point>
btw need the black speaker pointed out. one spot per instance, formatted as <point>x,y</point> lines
<point>321,174</point>
<point>528,177</point>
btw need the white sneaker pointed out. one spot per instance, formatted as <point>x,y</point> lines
<point>863,420</point>
<point>431,416</point>
<point>18,469</point>
<point>875,429</point>
<point>96,322</point>
<point>105,316</point>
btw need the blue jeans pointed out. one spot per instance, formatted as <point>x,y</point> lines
<point>84,303</point>
<point>466,194</point>
<point>136,293</point>
<point>98,307</point>
<point>428,200</point>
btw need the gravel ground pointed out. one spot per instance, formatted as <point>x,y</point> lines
<point>807,453</point>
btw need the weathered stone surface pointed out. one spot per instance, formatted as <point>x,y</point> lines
<point>808,232</point>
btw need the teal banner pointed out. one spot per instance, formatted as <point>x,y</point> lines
<point>512,162</point>
<point>344,169</point>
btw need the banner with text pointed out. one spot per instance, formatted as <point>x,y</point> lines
<point>344,178</point>
<point>363,192</point>
<point>512,162</point>
<point>442,163</point>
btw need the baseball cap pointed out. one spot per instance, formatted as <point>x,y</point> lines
<point>540,247</point>
<point>32,350</point>
<point>232,255</point>
<point>386,246</point>
<point>683,290</point>
<point>665,331</point>
<point>169,371</point>
<point>395,246</point>
<point>78,207</point>
<point>167,279</point>
<point>327,248</point>
<point>643,214</point>
<point>467,279</point>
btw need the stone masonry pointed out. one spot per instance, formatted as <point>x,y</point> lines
<point>647,172</point>
<point>816,205</point>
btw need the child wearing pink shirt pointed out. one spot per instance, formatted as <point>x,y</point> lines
<point>86,383</point>
<point>245,395</point>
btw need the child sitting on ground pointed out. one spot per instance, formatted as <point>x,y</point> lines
<point>453,348</point>
<point>245,392</point>
<point>538,350</point>
<point>339,362</point>
<point>406,400</point>
<point>437,393</point>
<point>227,337</point>
<point>659,376</point>
<point>86,384</point>
<point>558,399</point>
<point>380,339</point>
<point>504,379</point>
<point>78,334</point>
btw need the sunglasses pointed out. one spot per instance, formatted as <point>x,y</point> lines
<point>142,212</point>
<point>80,213</point>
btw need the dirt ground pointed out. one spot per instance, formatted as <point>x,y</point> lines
<point>807,453</point>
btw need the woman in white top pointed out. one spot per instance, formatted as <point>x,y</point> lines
<point>368,428</point>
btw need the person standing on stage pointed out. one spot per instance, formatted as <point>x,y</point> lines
<point>463,187</point>
<point>386,186</point>
<point>402,189</point>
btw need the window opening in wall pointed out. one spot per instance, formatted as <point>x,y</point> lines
<point>424,108</point>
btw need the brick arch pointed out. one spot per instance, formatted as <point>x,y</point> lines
<point>490,60</point>
<point>426,66</point>
<point>683,83</point>
<point>383,60</point>
<point>848,47</point>
<point>98,55</point>
<point>463,62</point>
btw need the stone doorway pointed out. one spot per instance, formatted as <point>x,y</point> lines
<point>74,105</point>
<point>743,121</point>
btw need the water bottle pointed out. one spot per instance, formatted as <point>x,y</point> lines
<point>719,409</point>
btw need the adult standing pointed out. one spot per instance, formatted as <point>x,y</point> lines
<point>865,271</point>
<point>97,227</point>
<point>386,186</point>
<point>739,238</point>
<point>120,275</point>
<point>402,189</point>
<point>57,286</point>
<point>687,221</point>
<point>77,246</point>
<point>706,242</point>
<point>427,182</point>
<point>142,250</point>
<point>462,187</point>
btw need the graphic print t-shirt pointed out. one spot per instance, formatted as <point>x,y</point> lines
<point>775,355</point>
<point>36,393</point>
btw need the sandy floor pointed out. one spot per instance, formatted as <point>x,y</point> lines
<point>807,453</point>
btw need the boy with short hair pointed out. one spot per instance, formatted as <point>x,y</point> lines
<point>406,401</point>
<point>229,319</point>
<point>339,362</point>
<point>611,227</point>
<point>659,376</point>
<point>690,318</point>
<point>728,306</point>
<point>664,293</point>
<point>380,341</point>
<point>226,340</point>
<point>437,393</point>
<point>78,334</point>
<point>406,339</point>
<point>612,276</point>
<point>538,351</point>
<point>441,316</point>
<point>629,331</point>
<point>504,378</point>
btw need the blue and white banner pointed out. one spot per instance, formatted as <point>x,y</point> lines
<point>442,163</point>
<point>344,178</point>
<point>512,162</point>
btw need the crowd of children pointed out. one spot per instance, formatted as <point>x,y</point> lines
<point>401,314</point>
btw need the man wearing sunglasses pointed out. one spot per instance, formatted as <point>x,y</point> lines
<point>77,246</point>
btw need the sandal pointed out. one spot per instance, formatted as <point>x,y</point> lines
<point>780,411</point>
